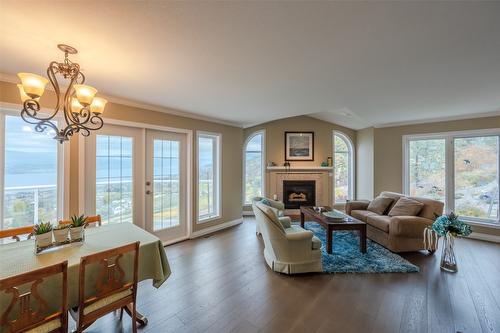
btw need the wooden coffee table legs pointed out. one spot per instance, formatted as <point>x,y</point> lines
<point>329,239</point>
<point>362,239</point>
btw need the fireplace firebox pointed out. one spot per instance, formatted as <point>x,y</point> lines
<point>298,193</point>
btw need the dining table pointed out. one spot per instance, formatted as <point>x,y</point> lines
<point>19,257</point>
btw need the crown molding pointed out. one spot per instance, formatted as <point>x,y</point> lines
<point>439,119</point>
<point>123,101</point>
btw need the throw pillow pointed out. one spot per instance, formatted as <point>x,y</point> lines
<point>406,207</point>
<point>266,202</point>
<point>379,205</point>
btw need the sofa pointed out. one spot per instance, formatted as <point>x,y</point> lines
<point>288,248</point>
<point>398,233</point>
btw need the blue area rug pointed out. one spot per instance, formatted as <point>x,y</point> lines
<point>346,257</point>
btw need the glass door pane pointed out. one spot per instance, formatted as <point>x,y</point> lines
<point>166,178</point>
<point>114,186</point>
<point>476,176</point>
<point>426,168</point>
<point>30,178</point>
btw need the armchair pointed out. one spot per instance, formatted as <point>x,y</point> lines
<point>288,248</point>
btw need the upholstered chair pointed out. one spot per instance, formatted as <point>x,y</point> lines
<point>288,248</point>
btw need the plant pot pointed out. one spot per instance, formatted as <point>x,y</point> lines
<point>43,240</point>
<point>76,233</point>
<point>60,235</point>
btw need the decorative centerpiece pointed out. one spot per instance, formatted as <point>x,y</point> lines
<point>448,226</point>
<point>43,235</point>
<point>77,226</point>
<point>60,233</point>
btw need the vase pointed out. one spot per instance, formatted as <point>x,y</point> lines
<point>448,259</point>
<point>76,233</point>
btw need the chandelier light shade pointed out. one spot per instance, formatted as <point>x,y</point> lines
<point>81,110</point>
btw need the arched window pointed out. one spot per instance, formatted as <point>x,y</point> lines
<point>343,165</point>
<point>253,163</point>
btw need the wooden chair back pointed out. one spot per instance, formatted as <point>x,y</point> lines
<point>32,308</point>
<point>91,221</point>
<point>109,281</point>
<point>14,233</point>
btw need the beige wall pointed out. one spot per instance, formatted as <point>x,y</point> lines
<point>364,164</point>
<point>232,141</point>
<point>388,151</point>
<point>275,138</point>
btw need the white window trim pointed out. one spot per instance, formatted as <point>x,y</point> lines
<point>63,164</point>
<point>218,172</point>
<point>449,167</point>
<point>352,180</point>
<point>263,163</point>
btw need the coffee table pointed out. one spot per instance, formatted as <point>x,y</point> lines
<point>329,224</point>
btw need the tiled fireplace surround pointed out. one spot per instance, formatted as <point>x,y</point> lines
<point>322,177</point>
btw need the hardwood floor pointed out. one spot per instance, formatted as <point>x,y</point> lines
<point>221,284</point>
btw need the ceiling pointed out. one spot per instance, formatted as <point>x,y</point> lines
<point>357,64</point>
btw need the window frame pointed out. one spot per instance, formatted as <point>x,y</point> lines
<point>263,163</point>
<point>63,166</point>
<point>351,166</point>
<point>449,138</point>
<point>217,161</point>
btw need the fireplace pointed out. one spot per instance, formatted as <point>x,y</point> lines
<point>298,193</point>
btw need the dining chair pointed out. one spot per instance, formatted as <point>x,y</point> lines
<point>105,288</point>
<point>28,311</point>
<point>91,221</point>
<point>14,233</point>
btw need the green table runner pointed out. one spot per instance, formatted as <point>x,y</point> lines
<point>19,257</point>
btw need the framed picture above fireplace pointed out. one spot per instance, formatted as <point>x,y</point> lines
<point>299,146</point>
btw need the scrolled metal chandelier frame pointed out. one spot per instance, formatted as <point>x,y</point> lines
<point>81,109</point>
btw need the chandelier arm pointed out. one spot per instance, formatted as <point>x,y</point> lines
<point>31,109</point>
<point>52,70</point>
<point>68,115</point>
<point>40,125</point>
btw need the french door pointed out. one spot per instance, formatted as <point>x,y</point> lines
<point>166,184</point>
<point>137,175</point>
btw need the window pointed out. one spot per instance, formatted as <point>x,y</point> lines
<point>32,166</point>
<point>208,176</point>
<point>254,167</point>
<point>113,178</point>
<point>343,166</point>
<point>459,168</point>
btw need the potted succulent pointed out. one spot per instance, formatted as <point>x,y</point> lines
<point>43,235</point>
<point>77,226</point>
<point>60,233</point>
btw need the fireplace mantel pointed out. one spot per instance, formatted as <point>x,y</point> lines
<point>299,168</point>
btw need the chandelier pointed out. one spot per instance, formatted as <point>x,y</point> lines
<point>81,110</point>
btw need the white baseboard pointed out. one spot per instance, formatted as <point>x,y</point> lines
<point>485,237</point>
<point>215,228</point>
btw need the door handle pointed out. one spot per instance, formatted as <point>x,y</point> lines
<point>148,192</point>
<point>148,183</point>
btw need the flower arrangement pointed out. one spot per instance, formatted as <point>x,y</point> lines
<point>451,224</point>
<point>446,226</point>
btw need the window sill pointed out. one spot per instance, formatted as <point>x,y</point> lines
<point>202,220</point>
<point>492,224</point>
